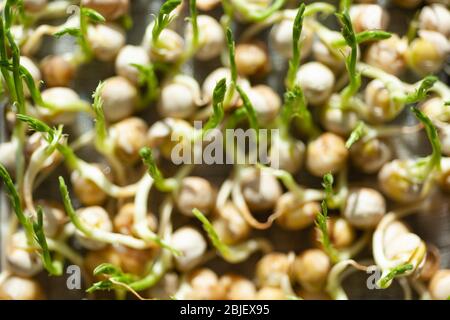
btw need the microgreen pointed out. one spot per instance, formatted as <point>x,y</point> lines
<point>357,133</point>
<point>327,184</point>
<point>413,28</point>
<point>372,35</point>
<point>422,91</point>
<point>92,15</point>
<point>223,249</point>
<point>432,134</point>
<point>86,16</point>
<point>161,183</point>
<point>148,79</point>
<point>113,274</point>
<point>295,106</point>
<point>218,112</point>
<point>255,15</point>
<point>395,272</point>
<point>231,54</point>
<point>250,111</point>
<point>53,267</point>
<point>36,124</point>
<point>102,141</point>
<point>69,207</point>
<point>344,5</point>
<point>164,18</point>
<point>321,224</point>
<point>350,62</point>
<point>294,62</point>
<point>193,19</point>
<point>15,202</point>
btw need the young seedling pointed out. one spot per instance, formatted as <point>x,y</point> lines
<point>232,254</point>
<point>163,19</point>
<point>251,114</point>
<point>55,268</point>
<point>86,16</point>
<point>294,62</point>
<point>105,236</point>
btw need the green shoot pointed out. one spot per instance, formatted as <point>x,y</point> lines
<point>53,267</point>
<point>421,93</point>
<point>164,18</point>
<point>364,36</point>
<point>223,249</point>
<point>251,114</point>
<point>447,103</point>
<point>294,62</point>
<point>231,54</point>
<point>106,236</point>
<point>321,224</point>
<point>385,281</point>
<point>193,20</point>
<point>34,91</point>
<point>16,203</point>
<point>86,16</point>
<point>101,132</point>
<point>295,106</point>
<point>413,28</point>
<point>231,254</point>
<point>69,207</point>
<point>435,158</point>
<point>93,15</point>
<point>163,184</point>
<point>148,79</point>
<point>372,35</point>
<point>250,111</point>
<point>218,112</point>
<point>344,5</point>
<point>36,125</point>
<point>327,184</point>
<point>350,38</point>
<point>357,133</point>
<point>70,31</point>
<point>114,275</point>
<point>252,14</point>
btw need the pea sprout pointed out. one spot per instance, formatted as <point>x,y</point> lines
<point>255,14</point>
<point>53,267</point>
<point>294,62</point>
<point>16,204</point>
<point>149,80</point>
<point>161,183</point>
<point>86,16</point>
<point>385,281</point>
<point>194,22</point>
<point>433,161</point>
<point>218,111</point>
<point>305,195</point>
<point>251,114</point>
<point>33,230</point>
<point>321,224</point>
<point>113,273</point>
<point>232,254</point>
<point>104,236</point>
<point>356,134</point>
<point>103,142</point>
<point>85,169</point>
<point>350,39</point>
<point>163,19</point>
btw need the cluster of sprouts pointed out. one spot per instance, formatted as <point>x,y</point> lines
<point>138,224</point>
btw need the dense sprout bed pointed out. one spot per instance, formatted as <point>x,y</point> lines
<point>207,149</point>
